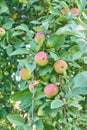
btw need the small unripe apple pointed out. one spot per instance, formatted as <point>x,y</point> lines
<point>75,11</point>
<point>41,58</point>
<point>51,90</point>
<point>39,38</point>
<point>25,74</point>
<point>63,11</point>
<point>2,32</point>
<point>34,83</point>
<point>60,66</point>
<point>40,113</point>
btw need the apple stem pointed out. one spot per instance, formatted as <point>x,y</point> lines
<point>33,94</point>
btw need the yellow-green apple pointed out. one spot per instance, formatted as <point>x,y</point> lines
<point>41,58</point>
<point>60,66</point>
<point>25,74</point>
<point>2,32</point>
<point>51,90</point>
<point>39,38</point>
<point>75,11</point>
<point>40,113</point>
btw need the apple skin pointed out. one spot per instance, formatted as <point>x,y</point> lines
<point>60,66</point>
<point>41,58</point>
<point>25,74</point>
<point>75,11</point>
<point>2,32</point>
<point>33,84</point>
<point>39,38</point>
<point>51,90</point>
<point>63,11</point>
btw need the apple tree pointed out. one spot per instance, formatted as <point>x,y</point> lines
<point>45,56</point>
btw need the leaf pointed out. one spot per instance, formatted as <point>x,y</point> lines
<point>57,103</point>
<point>3,7</point>
<point>15,119</point>
<point>27,128</point>
<point>20,95</point>
<point>77,91</point>
<point>20,51</point>
<point>23,27</point>
<point>44,70</point>
<point>39,125</point>
<point>27,64</point>
<point>80,80</point>
<point>54,56</point>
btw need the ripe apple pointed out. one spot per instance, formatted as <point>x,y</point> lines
<point>2,32</point>
<point>75,11</point>
<point>25,74</point>
<point>60,66</point>
<point>40,37</point>
<point>33,84</point>
<point>41,58</point>
<point>51,90</point>
<point>63,11</point>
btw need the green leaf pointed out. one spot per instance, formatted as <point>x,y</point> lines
<point>23,27</point>
<point>20,51</point>
<point>15,119</point>
<point>20,95</point>
<point>39,125</point>
<point>44,70</point>
<point>54,56</point>
<point>1,74</point>
<point>77,91</point>
<point>3,7</point>
<point>57,103</point>
<point>27,128</point>
<point>80,80</point>
<point>27,64</point>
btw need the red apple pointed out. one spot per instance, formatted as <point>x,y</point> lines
<point>51,90</point>
<point>63,11</point>
<point>41,58</point>
<point>75,11</point>
<point>25,74</point>
<point>60,66</point>
<point>2,32</point>
<point>39,38</point>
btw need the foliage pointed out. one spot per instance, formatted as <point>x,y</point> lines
<point>66,39</point>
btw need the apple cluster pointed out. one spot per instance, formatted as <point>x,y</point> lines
<point>41,59</point>
<point>74,11</point>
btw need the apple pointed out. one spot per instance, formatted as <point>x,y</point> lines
<point>63,11</point>
<point>51,90</point>
<point>60,66</point>
<point>25,74</point>
<point>40,37</point>
<point>41,58</point>
<point>75,11</point>
<point>2,32</point>
<point>40,113</point>
<point>33,84</point>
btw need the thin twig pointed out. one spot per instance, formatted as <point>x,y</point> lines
<point>32,99</point>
